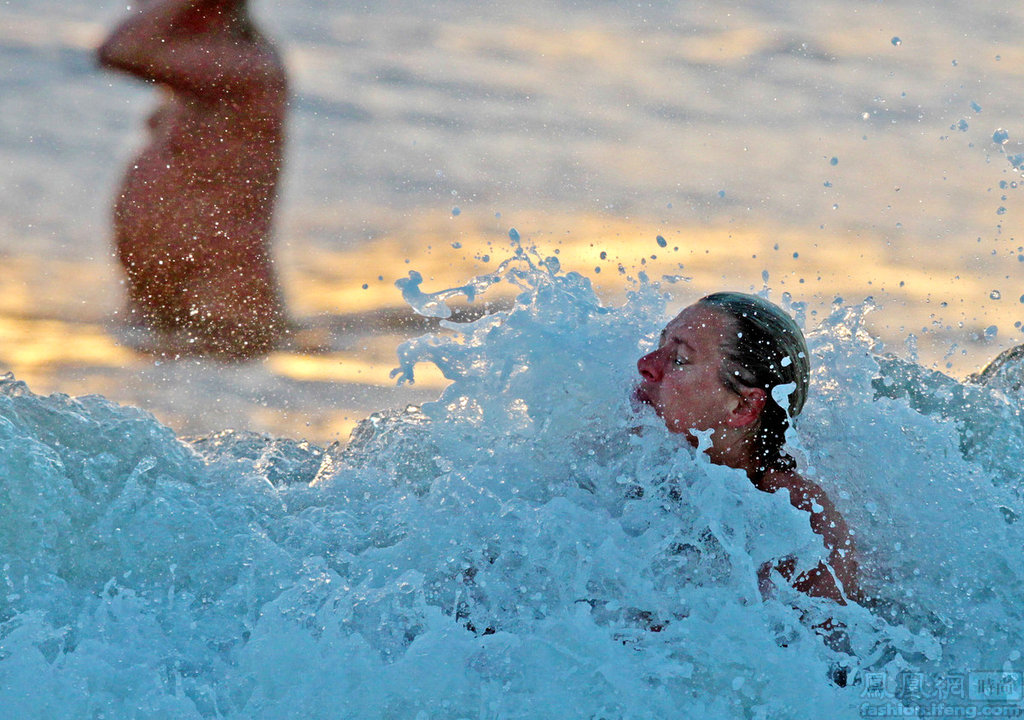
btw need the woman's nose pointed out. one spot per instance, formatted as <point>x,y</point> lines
<point>650,366</point>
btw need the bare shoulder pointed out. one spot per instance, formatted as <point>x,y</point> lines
<point>807,495</point>
<point>211,64</point>
<point>803,493</point>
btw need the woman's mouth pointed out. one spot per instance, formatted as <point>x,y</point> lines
<point>641,396</point>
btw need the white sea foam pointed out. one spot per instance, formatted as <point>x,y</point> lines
<point>525,547</point>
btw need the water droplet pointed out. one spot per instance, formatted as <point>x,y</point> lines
<point>828,184</point>
<point>456,211</point>
<point>604,255</point>
<point>721,193</point>
<point>662,242</point>
<point>513,235</point>
<point>896,41</point>
<point>975,106</point>
<point>1000,137</point>
<point>834,161</point>
<point>1001,211</point>
<point>996,295</point>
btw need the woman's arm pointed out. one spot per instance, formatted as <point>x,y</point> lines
<point>823,580</point>
<point>189,46</point>
<point>817,582</point>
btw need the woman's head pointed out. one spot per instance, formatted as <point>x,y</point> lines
<point>716,367</point>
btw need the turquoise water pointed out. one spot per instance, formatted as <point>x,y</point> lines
<point>530,546</point>
<point>527,546</point>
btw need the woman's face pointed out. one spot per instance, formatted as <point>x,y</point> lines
<point>681,379</point>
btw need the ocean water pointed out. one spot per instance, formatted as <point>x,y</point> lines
<point>755,137</point>
<point>527,546</point>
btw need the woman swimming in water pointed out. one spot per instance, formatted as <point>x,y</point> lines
<point>726,364</point>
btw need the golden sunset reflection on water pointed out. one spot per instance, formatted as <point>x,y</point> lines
<point>58,319</point>
<point>802,145</point>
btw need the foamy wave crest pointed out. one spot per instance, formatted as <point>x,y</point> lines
<point>527,546</point>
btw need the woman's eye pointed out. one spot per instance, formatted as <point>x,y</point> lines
<point>680,361</point>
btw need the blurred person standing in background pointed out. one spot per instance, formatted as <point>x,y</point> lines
<point>192,220</point>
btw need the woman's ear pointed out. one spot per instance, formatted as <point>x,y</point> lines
<point>748,408</point>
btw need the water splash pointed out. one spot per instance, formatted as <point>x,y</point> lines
<point>528,545</point>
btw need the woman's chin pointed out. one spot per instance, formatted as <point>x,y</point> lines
<point>645,418</point>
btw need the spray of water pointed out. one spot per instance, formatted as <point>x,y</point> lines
<point>527,546</point>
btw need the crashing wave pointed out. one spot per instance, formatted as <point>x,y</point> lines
<point>527,546</point>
